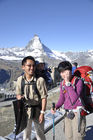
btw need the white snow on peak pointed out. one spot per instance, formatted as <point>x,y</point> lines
<point>10,58</point>
<point>34,48</point>
<point>60,55</point>
<point>35,43</point>
<point>37,49</point>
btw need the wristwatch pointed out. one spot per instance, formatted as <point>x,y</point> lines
<point>68,84</point>
<point>42,112</point>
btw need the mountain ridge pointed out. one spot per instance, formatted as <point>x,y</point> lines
<point>37,49</point>
<point>10,58</point>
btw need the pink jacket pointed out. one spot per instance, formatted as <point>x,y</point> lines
<point>70,96</point>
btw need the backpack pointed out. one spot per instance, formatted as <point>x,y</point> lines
<point>86,74</point>
<point>46,75</point>
<point>30,102</point>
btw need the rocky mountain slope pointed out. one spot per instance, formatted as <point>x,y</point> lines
<point>9,71</point>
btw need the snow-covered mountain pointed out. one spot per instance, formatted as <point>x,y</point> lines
<point>37,49</point>
<point>10,70</point>
<point>34,48</point>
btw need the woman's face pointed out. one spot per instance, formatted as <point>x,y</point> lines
<point>66,74</point>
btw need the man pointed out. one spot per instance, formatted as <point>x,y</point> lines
<point>43,71</point>
<point>70,96</point>
<point>74,66</point>
<point>40,64</point>
<point>35,95</point>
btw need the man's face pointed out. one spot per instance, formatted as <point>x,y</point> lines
<point>41,66</point>
<point>29,67</point>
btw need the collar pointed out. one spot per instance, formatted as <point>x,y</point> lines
<point>33,78</point>
<point>71,81</point>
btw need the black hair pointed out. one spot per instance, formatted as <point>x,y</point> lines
<point>75,63</point>
<point>65,65</point>
<point>26,58</point>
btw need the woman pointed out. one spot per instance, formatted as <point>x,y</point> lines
<point>70,97</point>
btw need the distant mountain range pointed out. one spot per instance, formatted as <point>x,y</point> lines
<point>35,48</point>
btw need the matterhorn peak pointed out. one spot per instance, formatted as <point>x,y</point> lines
<point>35,43</point>
<point>36,37</point>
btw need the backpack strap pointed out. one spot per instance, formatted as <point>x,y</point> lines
<point>63,89</point>
<point>62,85</point>
<point>22,85</point>
<point>91,89</point>
<point>31,83</point>
<point>37,91</point>
<point>83,97</point>
<point>73,81</point>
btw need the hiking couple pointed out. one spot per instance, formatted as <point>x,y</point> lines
<point>35,91</point>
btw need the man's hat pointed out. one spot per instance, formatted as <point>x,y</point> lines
<point>40,60</point>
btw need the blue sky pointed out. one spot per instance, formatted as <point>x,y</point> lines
<point>64,25</point>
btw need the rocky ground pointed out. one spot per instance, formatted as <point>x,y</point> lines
<point>59,134</point>
<point>7,122</point>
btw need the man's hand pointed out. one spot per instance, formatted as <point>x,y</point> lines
<point>41,118</point>
<point>19,97</point>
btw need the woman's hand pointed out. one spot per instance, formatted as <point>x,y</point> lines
<point>53,110</point>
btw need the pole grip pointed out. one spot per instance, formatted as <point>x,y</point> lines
<point>53,105</point>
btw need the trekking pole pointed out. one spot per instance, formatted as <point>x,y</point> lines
<point>53,107</point>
